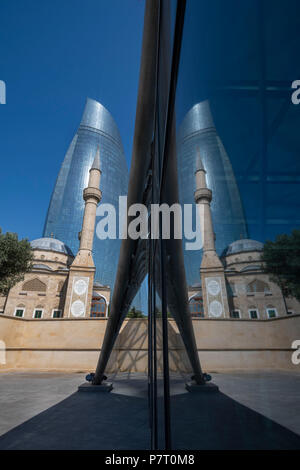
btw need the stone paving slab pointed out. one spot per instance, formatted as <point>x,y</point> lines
<point>258,410</point>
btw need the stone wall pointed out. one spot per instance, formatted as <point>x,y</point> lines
<point>74,344</point>
<point>51,299</point>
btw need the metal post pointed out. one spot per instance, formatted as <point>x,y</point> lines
<point>165,346</point>
<point>150,352</point>
<point>264,118</point>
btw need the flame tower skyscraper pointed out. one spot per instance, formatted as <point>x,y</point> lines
<point>64,217</point>
<point>197,133</point>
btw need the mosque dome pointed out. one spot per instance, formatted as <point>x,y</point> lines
<point>50,244</point>
<point>242,246</point>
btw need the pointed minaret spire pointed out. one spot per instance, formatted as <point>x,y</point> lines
<point>95,172</point>
<point>201,178</point>
<point>199,164</point>
<point>96,162</point>
<point>203,197</point>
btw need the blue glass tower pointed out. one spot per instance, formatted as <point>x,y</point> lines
<point>198,133</point>
<point>65,213</point>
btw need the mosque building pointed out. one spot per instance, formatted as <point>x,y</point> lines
<point>233,285</point>
<point>59,284</point>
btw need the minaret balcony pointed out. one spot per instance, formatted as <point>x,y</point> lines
<point>202,194</point>
<point>92,193</point>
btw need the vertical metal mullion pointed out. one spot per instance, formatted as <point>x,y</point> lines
<point>155,156</point>
<point>155,439</point>
<point>263,120</point>
<point>158,250</point>
<point>150,342</point>
<point>164,153</point>
<point>165,346</point>
<point>154,337</point>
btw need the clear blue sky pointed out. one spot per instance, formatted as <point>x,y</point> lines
<point>53,54</point>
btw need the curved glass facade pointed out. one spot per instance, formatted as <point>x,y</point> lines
<point>65,213</point>
<point>198,132</point>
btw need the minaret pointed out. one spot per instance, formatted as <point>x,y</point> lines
<point>211,270</point>
<point>82,270</point>
<point>92,196</point>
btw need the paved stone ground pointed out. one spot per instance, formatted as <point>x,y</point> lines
<point>252,411</point>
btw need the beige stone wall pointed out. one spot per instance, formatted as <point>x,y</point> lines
<point>47,301</point>
<point>240,260</point>
<point>244,301</point>
<point>53,259</point>
<point>67,344</point>
<point>52,298</point>
<point>293,305</point>
<point>2,303</point>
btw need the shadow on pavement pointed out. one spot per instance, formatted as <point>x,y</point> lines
<point>115,422</point>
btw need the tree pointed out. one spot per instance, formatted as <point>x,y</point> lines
<point>15,260</point>
<point>159,313</point>
<point>282,262</point>
<point>134,313</point>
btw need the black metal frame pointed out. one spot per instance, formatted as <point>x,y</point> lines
<point>153,179</point>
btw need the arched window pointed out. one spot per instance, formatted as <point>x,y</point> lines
<point>257,286</point>
<point>271,311</point>
<point>19,311</point>
<point>38,312</point>
<point>34,285</point>
<point>196,307</point>
<point>98,307</point>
